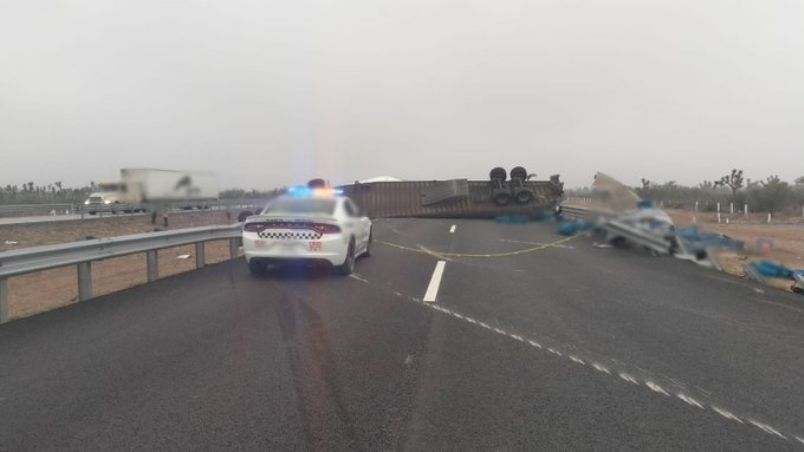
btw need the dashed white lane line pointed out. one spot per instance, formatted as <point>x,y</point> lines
<point>689,400</point>
<point>628,378</point>
<point>452,229</point>
<point>727,414</point>
<point>600,368</point>
<point>656,388</point>
<point>766,428</point>
<point>435,282</point>
<point>359,278</point>
<point>575,359</point>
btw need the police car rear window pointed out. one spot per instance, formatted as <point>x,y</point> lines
<point>301,206</point>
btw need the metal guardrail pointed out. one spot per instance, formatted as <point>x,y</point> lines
<point>117,208</point>
<point>56,209</point>
<point>574,213</point>
<point>11,210</point>
<point>82,254</point>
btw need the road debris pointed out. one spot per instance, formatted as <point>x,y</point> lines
<point>572,227</point>
<point>765,270</point>
<point>10,242</point>
<point>623,218</point>
<point>511,219</point>
<point>183,256</point>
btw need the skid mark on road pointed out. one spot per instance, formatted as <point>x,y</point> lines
<point>359,278</point>
<point>631,379</point>
<point>524,242</point>
<point>442,254</point>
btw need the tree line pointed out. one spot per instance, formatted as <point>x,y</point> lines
<point>56,192</point>
<point>771,194</point>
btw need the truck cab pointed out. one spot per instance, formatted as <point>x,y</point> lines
<point>105,198</point>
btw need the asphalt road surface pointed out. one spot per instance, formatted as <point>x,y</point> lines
<point>532,343</point>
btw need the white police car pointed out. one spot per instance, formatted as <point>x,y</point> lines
<point>307,224</point>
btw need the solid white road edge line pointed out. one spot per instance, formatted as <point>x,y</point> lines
<point>435,282</point>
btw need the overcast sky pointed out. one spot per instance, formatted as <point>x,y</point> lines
<point>271,93</point>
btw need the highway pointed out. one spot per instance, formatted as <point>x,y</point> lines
<point>533,342</point>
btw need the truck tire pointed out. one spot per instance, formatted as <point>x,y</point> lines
<point>498,173</point>
<point>519,172</point>
<point>241,217</point>
<point>501,197</point>
<point>523,196</point>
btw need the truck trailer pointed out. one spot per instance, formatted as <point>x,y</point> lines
<point>143,189</point>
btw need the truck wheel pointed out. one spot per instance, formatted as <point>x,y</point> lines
<point>348,265</point>
<point>317,183</point>
<point>257,267</point>
<point>523,196</point>
<point>501,198</point>
<point>519,173</point>
<point>241,217</point>
<point>497,173</point>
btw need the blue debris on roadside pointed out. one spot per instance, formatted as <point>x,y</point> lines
<point>693,242</point>
<point>511,219</point>
<point>759,271</point>
<point>569,227</point>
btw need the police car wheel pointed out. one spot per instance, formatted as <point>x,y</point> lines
<point>348,265</point>
<point>367,253</point>
<point>257,267</point>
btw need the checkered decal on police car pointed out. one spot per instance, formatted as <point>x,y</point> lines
<point>301,235</point>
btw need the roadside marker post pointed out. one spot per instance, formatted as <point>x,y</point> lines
<point>152,262</point>
<point>3,300</point>
<point>84,281</point>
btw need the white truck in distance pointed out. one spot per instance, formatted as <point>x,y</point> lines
<point>144,188</point>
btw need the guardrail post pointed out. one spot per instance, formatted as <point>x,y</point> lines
<point>84,281</point>
<point>3,300</point>
<point>200,261</point>
<point>234,245</point>
<point>152,261</point>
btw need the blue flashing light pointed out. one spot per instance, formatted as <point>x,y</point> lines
<point>302,191</point>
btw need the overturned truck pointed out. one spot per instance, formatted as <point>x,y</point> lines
<point>498,196</point>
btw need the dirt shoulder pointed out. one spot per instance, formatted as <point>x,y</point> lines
<point>37,292</point>
<point>782,243</point>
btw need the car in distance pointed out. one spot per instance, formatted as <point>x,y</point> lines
<point>315,225</point>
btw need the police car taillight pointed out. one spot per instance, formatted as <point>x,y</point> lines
<point>254,227</point>
<point>327,228</point>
